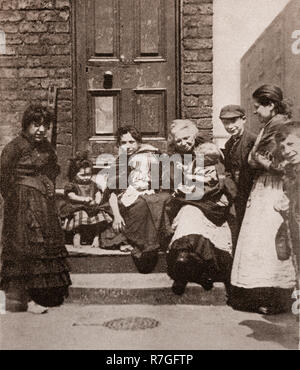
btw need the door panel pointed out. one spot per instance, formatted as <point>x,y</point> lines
<point>149,107</point>
<point>102,28</point>
<point>104,107</point>
<point>150,28</point>
<point>104,114</point>
<point>105,28</point>
<point>126,69</point>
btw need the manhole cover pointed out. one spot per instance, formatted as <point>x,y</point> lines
<point>132,323</point>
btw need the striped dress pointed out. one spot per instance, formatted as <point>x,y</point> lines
<point>82,218</point>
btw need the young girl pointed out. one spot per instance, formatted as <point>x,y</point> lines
<point>85,218</point>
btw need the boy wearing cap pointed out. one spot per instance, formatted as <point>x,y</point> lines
<point>236,153</point>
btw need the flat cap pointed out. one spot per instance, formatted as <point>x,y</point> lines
<point>232,111</point>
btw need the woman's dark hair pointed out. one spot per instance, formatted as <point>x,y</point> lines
<point>36,113</point>
<point>290,128</point>
<point>123,130</point>
<point>267,94</point>
<point>81,160</point>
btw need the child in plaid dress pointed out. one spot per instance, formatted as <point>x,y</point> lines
<point>84,198</point>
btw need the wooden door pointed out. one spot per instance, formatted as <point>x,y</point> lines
<point>126,61</point>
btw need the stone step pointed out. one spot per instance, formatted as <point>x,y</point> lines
<point>89,260</point>
<point>135,288</point>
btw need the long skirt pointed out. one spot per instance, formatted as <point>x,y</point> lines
<point>34,253</point>
<point>147,229</point>
<point>256,264</point>
<point>257,271</point>
<point>208,247</point>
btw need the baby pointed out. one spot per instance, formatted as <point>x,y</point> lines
<point>203,173</point>
<point>212,156</point>
<point>140,166</point>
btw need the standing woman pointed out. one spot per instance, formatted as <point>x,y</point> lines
<point>34,266</point>
<point>261,282</point>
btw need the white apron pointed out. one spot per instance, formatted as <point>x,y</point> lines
<point>191,220</point>
<point>255,263</point>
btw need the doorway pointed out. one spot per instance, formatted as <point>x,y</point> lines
<point>126,70</point>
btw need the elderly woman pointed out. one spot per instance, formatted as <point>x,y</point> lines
<point>200,250</point>
<point>261,280</point>
<point>138,208</point>
<point>34,254</point>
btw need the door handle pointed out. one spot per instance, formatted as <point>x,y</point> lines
<point>108,74</point>
<point>108,80</point>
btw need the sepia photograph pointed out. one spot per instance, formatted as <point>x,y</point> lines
<point>149,177</point>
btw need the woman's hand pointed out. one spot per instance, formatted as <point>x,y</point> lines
<point>88,200</point>
<point>185,189</point>
<point>282,204</point>
<point>276,170</point>
<point>118,224</point>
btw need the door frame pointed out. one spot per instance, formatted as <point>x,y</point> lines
<point>79,60</point>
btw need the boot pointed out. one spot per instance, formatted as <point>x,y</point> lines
<point>178,287</point>
<point>16,298</point>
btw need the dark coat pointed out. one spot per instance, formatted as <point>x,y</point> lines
<point>292,189</point>
<point>147,223</point>
<point>236,154</point>
<point>33,242</point>
<point>24,161</point>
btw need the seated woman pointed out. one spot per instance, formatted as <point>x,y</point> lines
<point>200,250</point>
<point>139,211</point>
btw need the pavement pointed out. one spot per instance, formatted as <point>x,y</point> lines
<point>112,307</point>
<point>124,327</point>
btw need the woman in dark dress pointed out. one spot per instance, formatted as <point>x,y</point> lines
<point>139,211</point>
<point>200,250</point>
<point>34,266</point>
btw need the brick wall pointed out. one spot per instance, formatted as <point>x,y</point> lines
<point>197,66</point>
<point>38,54</point>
